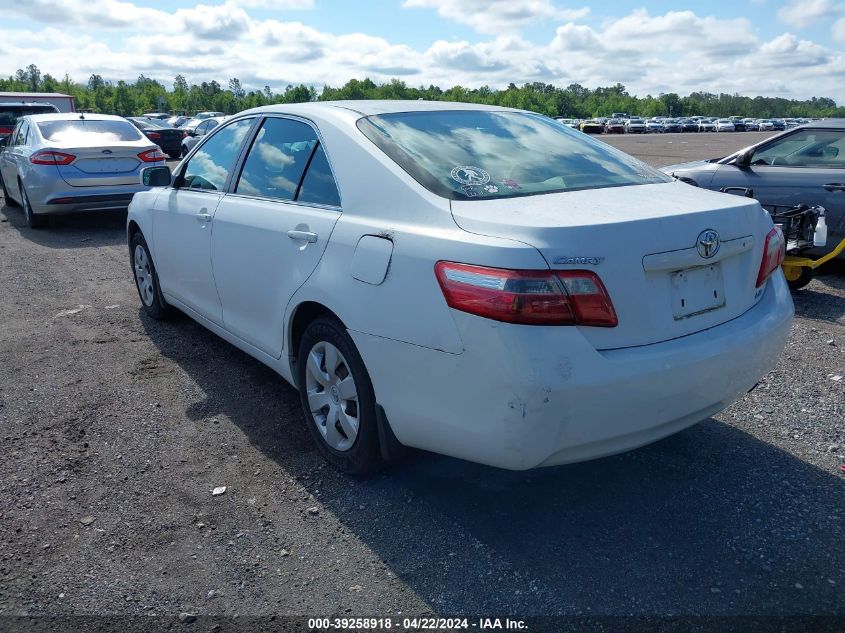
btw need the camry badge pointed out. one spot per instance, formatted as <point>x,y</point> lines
<point>593,261</point>
<point>708,243</point>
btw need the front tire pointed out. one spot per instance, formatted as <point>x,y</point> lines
<point>337,398</point>
<point>146,279</point>
<point>33,221</point>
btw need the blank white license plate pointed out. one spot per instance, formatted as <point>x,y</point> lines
<point>697,290</point>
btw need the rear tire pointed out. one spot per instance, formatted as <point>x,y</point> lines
<point>7,197</point>
<point>33,221</point>
<point>146,279</point>
<point>337,397</point>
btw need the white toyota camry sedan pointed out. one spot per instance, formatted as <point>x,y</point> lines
<point>480,282</point>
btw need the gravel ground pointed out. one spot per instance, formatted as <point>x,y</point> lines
<point>116,429</point>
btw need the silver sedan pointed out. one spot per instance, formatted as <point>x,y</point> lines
<point>59,163</point>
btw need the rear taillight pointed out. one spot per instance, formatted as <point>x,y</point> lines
<point>152,155</point>
<point>773,253</point>
<point>153,136</point>
<point>50,157</point>
<point>529,297</point>
<point>5,130</point>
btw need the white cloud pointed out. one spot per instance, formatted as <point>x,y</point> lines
<point>278,5</point>
<point>498,16</point>
<point>219,22</point>
<point>838,31</point>
<point>98,13</point>
<point>803,13</point>
<point>678,51</point>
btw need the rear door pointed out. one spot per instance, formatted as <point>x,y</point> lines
<point>183,221</point>
<point>270,233</point>
<point>805,167</point>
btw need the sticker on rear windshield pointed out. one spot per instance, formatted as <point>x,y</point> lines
<point>469,191</point>
<point>469,175</point>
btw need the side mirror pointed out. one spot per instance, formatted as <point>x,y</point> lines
<point>743,160</point>
<point>158,176</point>
<point>4,141</point>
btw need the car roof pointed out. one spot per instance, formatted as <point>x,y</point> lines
<point>827,123</point>
<point>375,107</point>
<point>74,116</point>
<point>25,104</point>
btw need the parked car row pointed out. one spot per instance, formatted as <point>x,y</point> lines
<point>176,135</point>
<point>656,125</point>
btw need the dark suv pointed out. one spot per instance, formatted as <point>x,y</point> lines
<point>11,111</point>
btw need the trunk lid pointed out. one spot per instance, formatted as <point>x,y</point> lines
<point>116,164</point>
<point>642,241</point>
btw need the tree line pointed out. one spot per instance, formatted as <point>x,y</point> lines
<point>576,101</point>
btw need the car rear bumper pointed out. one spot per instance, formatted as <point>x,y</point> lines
<point>519,397</point>
<point>58,202</point>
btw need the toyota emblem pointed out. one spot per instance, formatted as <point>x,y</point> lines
<point>708,243</point>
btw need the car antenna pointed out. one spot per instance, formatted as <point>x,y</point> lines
<point>81,116</point>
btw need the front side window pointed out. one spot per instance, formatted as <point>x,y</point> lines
<point>805,148</point>
<point>210,166</point>
<point>277,159</point>
<point>88,131</point>
<point>467,154</point>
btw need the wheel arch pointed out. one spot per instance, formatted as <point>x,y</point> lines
<point>131,229</point>
<point>390,448</point>
<point>303,314</point>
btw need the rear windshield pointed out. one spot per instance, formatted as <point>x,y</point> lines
<point>88,131</point>
<point>151,124</point>
<point>9,115</point>
<point>464,155</point>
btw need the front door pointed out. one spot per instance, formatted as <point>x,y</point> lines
<point>805,167</point>
<point>184,217</point>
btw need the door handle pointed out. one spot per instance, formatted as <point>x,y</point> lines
<point>203,216</point>
<point>835,186</point>
<point>307,236</point>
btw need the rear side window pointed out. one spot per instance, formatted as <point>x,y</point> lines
<point>318,185</point>
<point>88,131</point>
<point>210,166</point>
<point>479,154</point>
<point>277,159</point>
<point>21,136</point>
